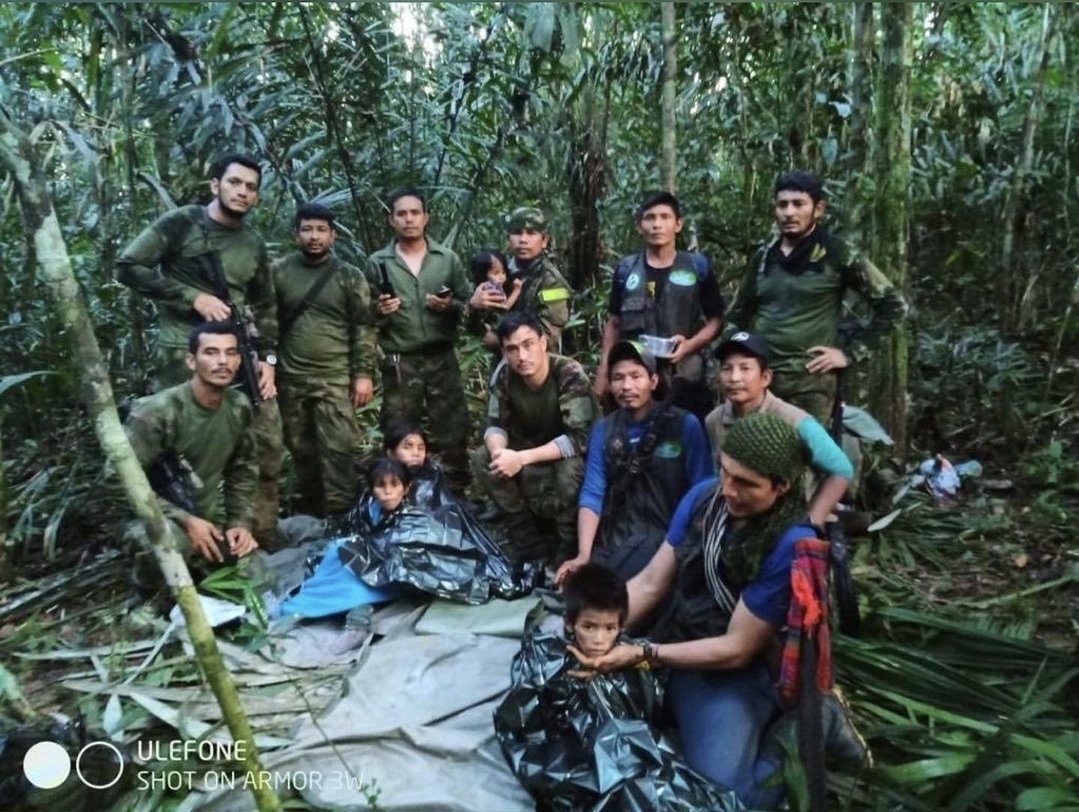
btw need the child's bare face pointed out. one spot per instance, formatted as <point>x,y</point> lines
<point>411,451</point>
<point>596,631</point>
<point>497,272</point>
<point>389,492</point>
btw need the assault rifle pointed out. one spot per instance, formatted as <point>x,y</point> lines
<point>246,333</point>
<point>174,480</point>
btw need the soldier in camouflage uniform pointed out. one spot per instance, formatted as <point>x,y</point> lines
<point>792,296</point>
<point>168,262</point>
<point>208,426</point>
<point>422,292</point>
<point>545,293</point>
<point>539,415</point>
<point>327,362</point>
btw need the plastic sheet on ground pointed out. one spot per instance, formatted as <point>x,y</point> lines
<point>594,745</point>
<point>414,724</point>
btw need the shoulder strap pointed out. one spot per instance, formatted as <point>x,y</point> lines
<point>289,319</point>
<point>700,264</point>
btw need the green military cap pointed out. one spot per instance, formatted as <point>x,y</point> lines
<point>526,217</point>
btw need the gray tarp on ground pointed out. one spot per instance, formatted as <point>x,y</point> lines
<point>416,720</point>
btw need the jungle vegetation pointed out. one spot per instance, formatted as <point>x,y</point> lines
<point>945,131</point>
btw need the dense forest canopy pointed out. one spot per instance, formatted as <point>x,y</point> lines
<point>944,130</point>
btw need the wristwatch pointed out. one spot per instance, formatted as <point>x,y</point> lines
<point>270,359</point>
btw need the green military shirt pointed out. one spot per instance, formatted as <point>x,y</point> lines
<point>217,443</point>
<point>165,263</point>
<point>415,327</point>
<point>563,408</point>
<point>545,293</point>
<point>333,339</point>
<point>794,302</point>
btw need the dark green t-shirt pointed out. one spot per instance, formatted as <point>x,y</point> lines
<point>333,339</point>
<point>217,443</point>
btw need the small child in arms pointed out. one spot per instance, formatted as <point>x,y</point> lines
<point>489,270</point>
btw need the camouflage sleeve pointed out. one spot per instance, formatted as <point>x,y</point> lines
<point>577,404</point>
<point>140,264</point>
<point>497,399</point>
<point>149,430</point>
<point>242,478</point>
<point>744,307</point>
<point>363,341</point>
<point>554,298</point>
<point>887,305</point>
<point>263,301</point>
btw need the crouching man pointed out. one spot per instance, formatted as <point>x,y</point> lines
<point>196,444</point>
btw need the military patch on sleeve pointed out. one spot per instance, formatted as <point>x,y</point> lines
<point>684,279</point>
<point>552,295</point>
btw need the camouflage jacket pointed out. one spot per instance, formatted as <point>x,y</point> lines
<point>167,262</point>
<point>218,445</point>
<point>563,409</point>
<point>545,293</point>
<point>795,302</point>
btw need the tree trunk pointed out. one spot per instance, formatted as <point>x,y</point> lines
<point>43,229</point>
<point>1010,278</point>
<point>892,158</point>
<point>668,136</point>
<point>859,217</point>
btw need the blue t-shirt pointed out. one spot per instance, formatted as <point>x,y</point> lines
<point>768,595</point>
<point>696,453</point>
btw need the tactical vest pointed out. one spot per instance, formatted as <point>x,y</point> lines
<point>644,482</point>
<point>677,310</point>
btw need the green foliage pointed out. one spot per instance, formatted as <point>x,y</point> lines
<point>487,106</point>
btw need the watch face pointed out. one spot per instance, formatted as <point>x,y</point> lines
<point>271,359</point>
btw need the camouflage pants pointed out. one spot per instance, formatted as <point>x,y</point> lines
<point>425,387</point>
<point>544,493</point>
<point>323,436</point>
<point>172,371</point>
<point>814,393</point>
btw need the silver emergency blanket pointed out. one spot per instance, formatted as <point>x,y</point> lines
<point>442,552</point>
<point>594,744</point>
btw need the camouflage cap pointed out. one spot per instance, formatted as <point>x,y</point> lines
<point>526,217</point>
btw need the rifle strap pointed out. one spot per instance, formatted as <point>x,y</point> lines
<point>289,319</point>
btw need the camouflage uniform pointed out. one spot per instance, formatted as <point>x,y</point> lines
<point>420,375</point>
<point>562,410</point>
<point>166,262</point>
<point>794,302</point>
<point>219,445</point>
<point>327,346</point>
<point>545,293</point>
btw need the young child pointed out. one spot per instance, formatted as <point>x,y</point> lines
<point>489,269</point>
<point>389,481</point>
<point>562,734</point>
<point>596,607</point>
<point>332,587</point>
<point>403,441</point>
